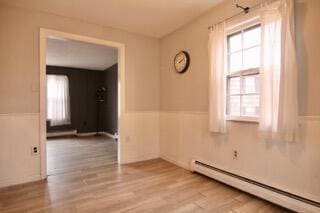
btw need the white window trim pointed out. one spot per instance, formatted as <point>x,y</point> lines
<point>242,119</point>
<point>239,73</point>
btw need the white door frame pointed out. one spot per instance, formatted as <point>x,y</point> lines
<point>44,34</point>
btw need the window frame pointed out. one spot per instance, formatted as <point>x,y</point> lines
<point>241,73</point>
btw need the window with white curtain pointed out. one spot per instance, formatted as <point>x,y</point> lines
<point>243,50</point>
<point>58,100</point>
<point>254,72</point>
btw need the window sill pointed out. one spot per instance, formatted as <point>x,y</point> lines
<point>243,119</point>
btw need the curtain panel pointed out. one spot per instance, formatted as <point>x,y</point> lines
<point>279,81</point>
<point>217,86</point>
<point>58,100</point>
<point>278,116</point>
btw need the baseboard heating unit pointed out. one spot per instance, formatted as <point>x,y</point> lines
<point>274,195</point>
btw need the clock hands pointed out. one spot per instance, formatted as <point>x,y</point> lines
<point>181,61</point>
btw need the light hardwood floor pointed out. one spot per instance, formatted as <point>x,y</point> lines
<point>149,186</point>
<point>68,154</point>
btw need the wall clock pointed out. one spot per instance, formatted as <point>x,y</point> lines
<point>181,62</point>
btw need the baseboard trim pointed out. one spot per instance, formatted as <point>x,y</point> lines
<point>182,164</point>
<point>109,135</point>
<point>134,159</point>
<point>83,134</point>
<point>75,133</point>
<point>17,181</point>
<point>62,133</point>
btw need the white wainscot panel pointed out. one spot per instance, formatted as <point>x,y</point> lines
<point>18,133</point>
<point>139,135</point>
<point>293,167</point>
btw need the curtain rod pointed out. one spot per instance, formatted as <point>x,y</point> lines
<point>245,10</point>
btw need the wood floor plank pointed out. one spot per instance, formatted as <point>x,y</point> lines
<point>76,153</point>
<point>97,183</point>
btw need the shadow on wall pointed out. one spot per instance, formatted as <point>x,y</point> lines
<point>302,55</point>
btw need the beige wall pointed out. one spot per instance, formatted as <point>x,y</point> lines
<point>19,59</point>
<point>308,49</point>
<point>19,90</point>
<point>189,92</point>
<point>184,119</point>
<point>182,99</point>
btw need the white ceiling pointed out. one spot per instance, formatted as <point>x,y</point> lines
<point>76,54</point>
<point>154,18</point>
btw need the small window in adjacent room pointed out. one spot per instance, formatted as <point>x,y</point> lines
<point>58,100</point>
<point>243,74</point>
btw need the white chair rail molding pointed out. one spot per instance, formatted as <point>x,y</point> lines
<point>160,106</point>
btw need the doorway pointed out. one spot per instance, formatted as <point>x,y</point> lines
<point>90,132</point>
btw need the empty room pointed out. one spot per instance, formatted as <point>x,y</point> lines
<point>159,106</point>
<point>81,106</point>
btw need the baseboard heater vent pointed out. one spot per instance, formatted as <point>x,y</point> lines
<point>272,194</point>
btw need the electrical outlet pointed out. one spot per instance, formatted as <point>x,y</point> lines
<point>34,150</point>
<point>235,154</point>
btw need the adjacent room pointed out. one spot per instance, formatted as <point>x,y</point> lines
<point>159,106</point>
<point>82,105</point>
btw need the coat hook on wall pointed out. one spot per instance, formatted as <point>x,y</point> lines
<point>245,9</point>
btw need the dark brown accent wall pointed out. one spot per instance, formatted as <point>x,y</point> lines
<point>83,85</point>
<point>109,108</point>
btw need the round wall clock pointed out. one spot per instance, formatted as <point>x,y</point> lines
<point>181,62</point>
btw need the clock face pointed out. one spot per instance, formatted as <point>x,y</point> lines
<point>181,62</point>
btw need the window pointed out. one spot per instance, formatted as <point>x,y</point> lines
<point>58,101</point>
<point>243,74</point>
<point>253,72</point>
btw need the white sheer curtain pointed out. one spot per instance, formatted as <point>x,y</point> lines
<point>278,87</point>
<point>278,73</point>
<point>217,87</point>
<point>58,101</point>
